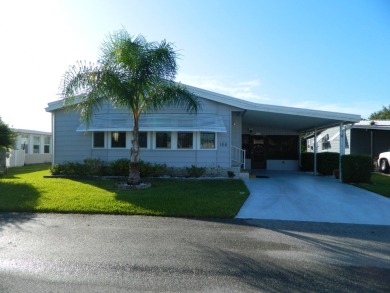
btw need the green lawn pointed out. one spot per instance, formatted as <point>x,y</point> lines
<point>379,184</point>
<point>25,189</point>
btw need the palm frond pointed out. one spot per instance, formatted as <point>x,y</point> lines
<point>169,93</point>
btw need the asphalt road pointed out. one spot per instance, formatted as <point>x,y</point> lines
<point>102,253</point>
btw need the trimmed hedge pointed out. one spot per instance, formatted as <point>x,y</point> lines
<point>307,162</point>
<point>326,162</point>
<point>356,168</point>
<point>95,167</point>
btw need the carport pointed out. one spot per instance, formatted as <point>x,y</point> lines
<point>259,121</point>
<point>262,120</point>
<point>290,121</point>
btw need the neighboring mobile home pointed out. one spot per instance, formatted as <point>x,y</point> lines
<point>31,147</point>
<point>365,137</point>
<point>226,133</point>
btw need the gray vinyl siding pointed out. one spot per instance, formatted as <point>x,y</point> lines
<point>71,145</point>
<point>236,127</point>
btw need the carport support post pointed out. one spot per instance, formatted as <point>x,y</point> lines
<point>342,149</point>
<point>315,153</point>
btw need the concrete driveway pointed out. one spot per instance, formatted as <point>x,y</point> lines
<point>301,196</point>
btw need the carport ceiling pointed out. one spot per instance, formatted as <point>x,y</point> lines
<point>296,123</point>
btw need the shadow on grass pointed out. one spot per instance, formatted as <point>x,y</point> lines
<point>17,197</point>
<point>189,198</point>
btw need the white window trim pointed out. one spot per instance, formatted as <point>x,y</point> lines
<point>173,141</point>
<point>39,145</point>
<point>128,141</point>
<point>193,141</point>
<point>93,141</point>
<point>46,144</point>
<point>209,149</point>
<point>151,141</point>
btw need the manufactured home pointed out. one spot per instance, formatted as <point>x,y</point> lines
<point>226,133</point>
<point>31,147</point>
<point>365,137</point>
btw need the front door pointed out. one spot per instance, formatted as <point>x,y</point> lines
<point>258,152</point>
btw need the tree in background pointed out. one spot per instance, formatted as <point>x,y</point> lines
<point>7,136</point>
<point>7,139</point>
<point>131,73</point>
<point>383,114</point>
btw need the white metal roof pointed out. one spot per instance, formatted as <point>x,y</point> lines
<point>295,119</point>
<point>288,118</point>
<point>27,131</point>
<point>373,124</point>
<point>156,122</point>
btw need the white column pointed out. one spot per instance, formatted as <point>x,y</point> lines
<point>315,153</point>
<point>342,147</point>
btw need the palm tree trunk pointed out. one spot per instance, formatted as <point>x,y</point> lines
<point>134,175</point>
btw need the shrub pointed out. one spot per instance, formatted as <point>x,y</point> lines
<point>147,169</point>
<point>119,167</point>
<point>69,168</point>
<point>327,162</point>
<point>93,166</point>
<point>194,171</point>
<point>356,168</point>
<point>307,161</point>
<point>231,174</point>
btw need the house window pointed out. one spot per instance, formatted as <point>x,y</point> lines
<point>36,144</point>
<point>143,139</point>
<point>184,140</point>
<point>163,140</point>
<point>98,139</point>
<point>207,140</point>
<point>46,147</point>
<point>118,139</point>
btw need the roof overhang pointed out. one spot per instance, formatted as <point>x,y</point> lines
<point>288,118</point>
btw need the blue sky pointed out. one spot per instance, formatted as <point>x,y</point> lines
<point>325,55</point>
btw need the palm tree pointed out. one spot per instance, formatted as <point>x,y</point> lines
<point>131,73</point>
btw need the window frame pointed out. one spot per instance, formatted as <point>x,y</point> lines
<point>178,139</point>
<point>170,140</point>
<point>118,147</point>
<point>147,140</point>
<point>200,141</point>
<point>36,145</point>
<point>104,140</point>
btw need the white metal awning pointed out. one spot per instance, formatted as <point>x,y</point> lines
<point>156,122</point>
